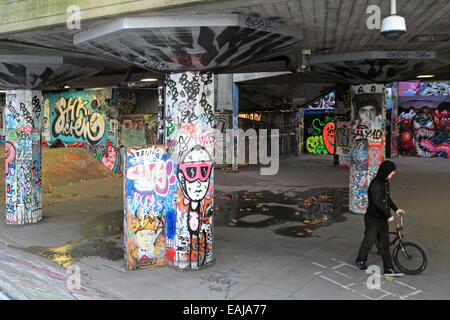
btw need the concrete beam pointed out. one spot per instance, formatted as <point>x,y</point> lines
<point>26,15</point>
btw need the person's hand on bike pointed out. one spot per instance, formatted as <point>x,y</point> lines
<point>400,212</point>
<point>391,219</point>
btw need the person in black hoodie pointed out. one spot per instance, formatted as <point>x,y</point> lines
<point>377,217</point>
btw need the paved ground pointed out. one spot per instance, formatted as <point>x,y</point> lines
<point>254,259</point>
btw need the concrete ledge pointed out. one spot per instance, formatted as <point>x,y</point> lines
<point>25,15</point>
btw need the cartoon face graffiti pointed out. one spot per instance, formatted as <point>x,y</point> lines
<point>194,173</point>
<point>423,127</point>
<point>145,238</point>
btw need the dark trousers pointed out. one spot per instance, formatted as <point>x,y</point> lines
<point>376,230</point>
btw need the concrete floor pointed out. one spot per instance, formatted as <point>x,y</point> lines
<point>82,226</point>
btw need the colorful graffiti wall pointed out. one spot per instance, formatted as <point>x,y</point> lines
<point>424,120</point>
<point>368,138</point>
<point>343,142</point>
<point>149,190</point>
<point>392,120</point>
<point>77,117</point>
<point>2,118</point>
<point>83,119</point>
<point>23,157</point>
<point>190,140</point>
<point>319,132</point>
<point>326,102</point>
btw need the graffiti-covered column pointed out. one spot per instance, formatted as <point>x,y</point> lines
<point>368,139</point>
<point>23,157</point>
<point>189,122</point>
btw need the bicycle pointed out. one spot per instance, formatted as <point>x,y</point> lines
<point>409,257</point>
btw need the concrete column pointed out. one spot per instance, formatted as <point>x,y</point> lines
<point>368,139</point>
<point>235,166</point>
<point>23,157</point>
<point>189,120</point>
<point>161,98</point>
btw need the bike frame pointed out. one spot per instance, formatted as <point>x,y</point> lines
<point>398,234</point>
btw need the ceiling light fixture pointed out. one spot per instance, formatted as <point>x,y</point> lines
<point>423,76</point>
<point>149,80</point>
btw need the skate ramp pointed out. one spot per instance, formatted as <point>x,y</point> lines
<point>63,166</point>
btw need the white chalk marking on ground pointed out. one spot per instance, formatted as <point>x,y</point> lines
<point>345,263</point>
<point>381,297</point>
<point>343,274</point>
<point>338,266</point>
<point>387,293</point>
<point>411,294</point>
<point>339,284</point>
<point>319,265</point>
<point>404,284</point>
<point>317,273</point>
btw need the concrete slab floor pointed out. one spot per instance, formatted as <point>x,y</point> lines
<point>254,260</point>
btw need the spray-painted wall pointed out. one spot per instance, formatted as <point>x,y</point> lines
<point>424,119</point>
<point>319,131</point>
<point>190,140</point>
<point>82,119</point>
<point>23,157</point>
<point>368,138</point>
<point>343,142</point>
<point>392,120</point>
<point>2,118</point>
<point>78,116</point>
<point>149,189</point>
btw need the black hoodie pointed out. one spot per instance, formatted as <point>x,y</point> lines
<point>380,200</point>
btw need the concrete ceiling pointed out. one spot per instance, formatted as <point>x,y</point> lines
<point>330,27</point>
<point>213,42</point>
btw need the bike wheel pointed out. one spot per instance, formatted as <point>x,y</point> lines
<point>410,257</point>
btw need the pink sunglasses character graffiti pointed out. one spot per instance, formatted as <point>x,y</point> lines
<point>194,173</point>
<point>196,170</point>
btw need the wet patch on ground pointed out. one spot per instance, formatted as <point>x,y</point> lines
<point>105,225</point>
<point>70,253</point>
<point>103,238</point>
<point>311,210</point>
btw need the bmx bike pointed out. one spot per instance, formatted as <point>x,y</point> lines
<point>408,256</point>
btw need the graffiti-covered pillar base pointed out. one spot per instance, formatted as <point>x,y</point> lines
<point>189,119</point>
<point>23,157</point>
<point>368,140</point>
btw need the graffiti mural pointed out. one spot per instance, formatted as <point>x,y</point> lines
<point>77,117</point>
<point>82,119</point>
<point>149,189</point>
<point>23,157</point>
<point>367,141</point>
<point>418,88</point>
<point>343,142</point>
<point>423,121</point>
<point>190,125</point>
<point>2,118</point>
<point>325,103</point>
<point>424,127</point>
<point>319,133</point>
<point>392,120</point>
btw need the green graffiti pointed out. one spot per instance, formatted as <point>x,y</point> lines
<point>314,144</point>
